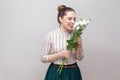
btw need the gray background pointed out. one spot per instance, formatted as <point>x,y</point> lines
<point>24,24</point>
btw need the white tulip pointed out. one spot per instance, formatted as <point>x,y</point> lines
<point>88,21</point>
<point>77,27</point>
<point>81,22</point>
<point>76,24</point>
<point>84,21</point>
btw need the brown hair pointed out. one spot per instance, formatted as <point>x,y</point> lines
<point>62,9</point>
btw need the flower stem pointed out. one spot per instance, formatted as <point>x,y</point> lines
<point>61,66</point>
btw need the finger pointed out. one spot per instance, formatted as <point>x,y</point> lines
<point>69,55</point>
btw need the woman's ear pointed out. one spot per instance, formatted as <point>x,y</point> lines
<point>60,19</point>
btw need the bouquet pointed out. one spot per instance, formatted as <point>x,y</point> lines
<point>72,42</point>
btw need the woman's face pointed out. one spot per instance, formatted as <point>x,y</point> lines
<point>68,21</point>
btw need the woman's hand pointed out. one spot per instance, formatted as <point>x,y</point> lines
<point>66,53</point>
<point>79,40</point>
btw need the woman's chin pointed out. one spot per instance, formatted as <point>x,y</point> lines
<point>71,28</point>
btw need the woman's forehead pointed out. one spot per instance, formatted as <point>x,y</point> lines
<point>70,14</point>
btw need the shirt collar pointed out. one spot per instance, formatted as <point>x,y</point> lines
<point>66,33</point>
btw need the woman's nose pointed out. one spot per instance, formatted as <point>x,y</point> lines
<point>73,21</point>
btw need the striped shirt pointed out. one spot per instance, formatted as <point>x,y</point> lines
<point>56,41</point>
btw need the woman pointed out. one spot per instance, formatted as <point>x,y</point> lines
<point>55,49</point>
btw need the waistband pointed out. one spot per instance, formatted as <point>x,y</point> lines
<point>74,65</point>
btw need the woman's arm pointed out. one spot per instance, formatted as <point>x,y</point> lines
<point>47,56</point>
<point>60,54</point>
<point>56,56</point>
<point>79,51</point>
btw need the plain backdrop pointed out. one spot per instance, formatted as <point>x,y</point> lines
<point>25,23</point>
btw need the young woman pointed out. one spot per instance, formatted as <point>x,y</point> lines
<point>55,50</point>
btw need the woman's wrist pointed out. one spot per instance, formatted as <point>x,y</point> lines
<point>79,46</point>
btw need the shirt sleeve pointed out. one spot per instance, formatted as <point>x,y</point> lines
<point>46,49</point>
<point>80,58</point>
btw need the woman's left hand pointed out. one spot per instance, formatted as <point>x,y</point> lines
<point>79,40</point>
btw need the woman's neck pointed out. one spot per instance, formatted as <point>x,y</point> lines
<point>63,29</point>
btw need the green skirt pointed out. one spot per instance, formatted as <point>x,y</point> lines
<point>66,74</point>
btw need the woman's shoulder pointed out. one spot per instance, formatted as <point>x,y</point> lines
<point>51,34</point>
<point>54,31</point>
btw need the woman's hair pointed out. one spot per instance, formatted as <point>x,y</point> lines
<point>62,9</point>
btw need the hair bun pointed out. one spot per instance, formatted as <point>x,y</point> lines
<point>60,7</point>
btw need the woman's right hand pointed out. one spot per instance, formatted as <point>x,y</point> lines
<point>66,53</point>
